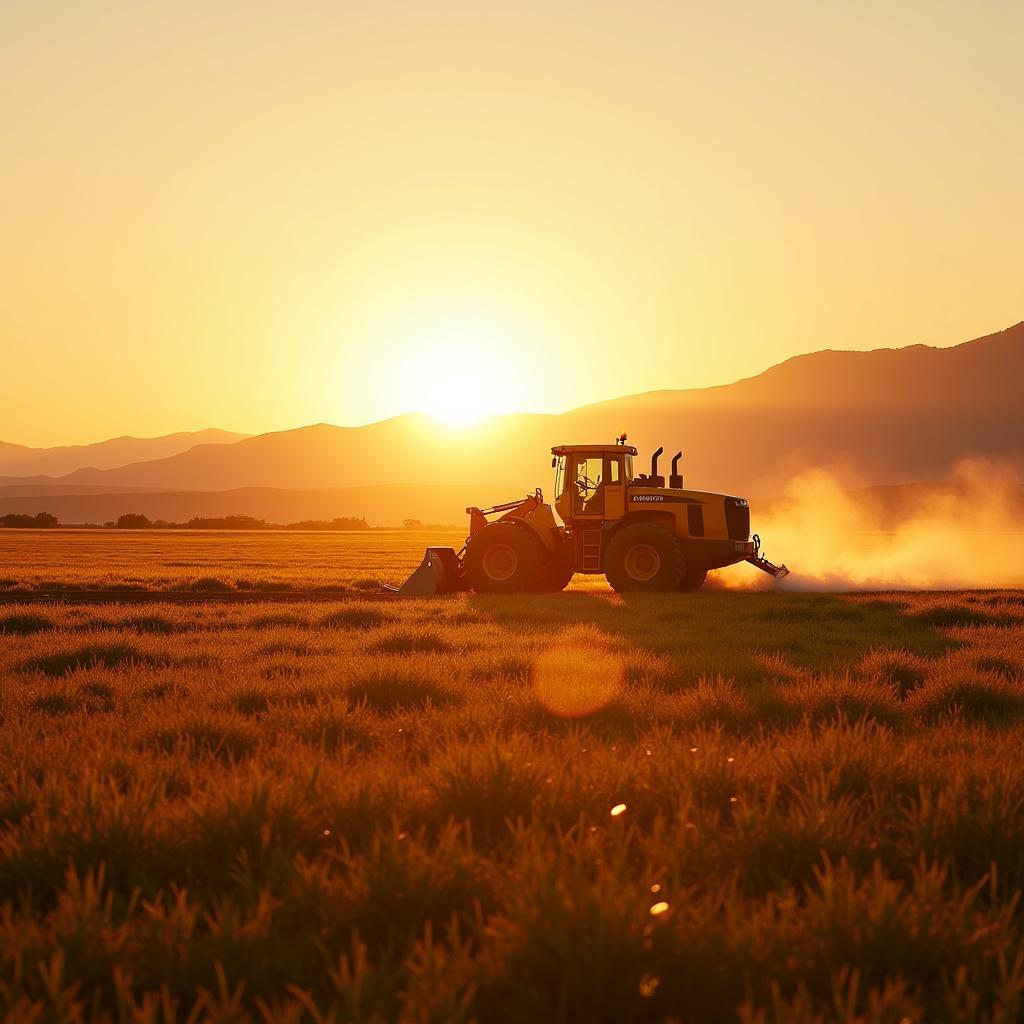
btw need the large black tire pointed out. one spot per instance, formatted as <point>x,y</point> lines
<point>644,557</point>
<point>693,578</point>
<point>505,558</point>
<point>559,565</point>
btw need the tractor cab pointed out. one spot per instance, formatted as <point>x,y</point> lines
<point>591,481</point>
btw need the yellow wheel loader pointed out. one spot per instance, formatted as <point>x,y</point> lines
<point>641,533</point>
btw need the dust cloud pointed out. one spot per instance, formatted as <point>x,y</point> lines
<point>965,534</point>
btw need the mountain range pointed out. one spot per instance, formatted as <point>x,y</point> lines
<point>20,460</point>
<point>881,417</point>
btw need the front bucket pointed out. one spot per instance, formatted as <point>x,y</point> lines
<point>440,572</point>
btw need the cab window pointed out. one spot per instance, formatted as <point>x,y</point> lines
<point>559,463</point>
<point>589,496</point>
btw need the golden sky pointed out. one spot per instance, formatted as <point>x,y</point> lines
<point>259,215</point>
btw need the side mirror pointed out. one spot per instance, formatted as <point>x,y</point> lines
<point>554,461</point>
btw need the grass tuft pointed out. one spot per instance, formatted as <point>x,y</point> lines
<point>278,620</point>
<point>1012,670</point>
<point>406,641</point>
<point>158,625</point>
<point>332,727</point>
<point>946,616</point>
<point>251,700</point>
<point>898,669</point>
<point>92,656</point>
<point>365,583</point>
<point>162,690</point>
<point>54,703</point>
<point>294,649</point>
<point>386,688</point>
<point>357,617</point>
<point>101,691</point>
<point>979,698</point>
<point>215,736</point>
<point>715,702</point>
<point>845,698</point>
<point>207,585</point>
<point>24,625</point>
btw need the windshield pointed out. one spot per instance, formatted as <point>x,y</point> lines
<point>559,475</point>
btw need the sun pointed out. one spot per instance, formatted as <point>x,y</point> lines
<point>464,392</point>
<point>460,371</point>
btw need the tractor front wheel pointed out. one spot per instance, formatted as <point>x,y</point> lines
<point>644,557</point>
<point>504,558</point>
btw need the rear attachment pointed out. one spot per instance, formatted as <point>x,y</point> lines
<point>778,572</point>
<point>440,572</point>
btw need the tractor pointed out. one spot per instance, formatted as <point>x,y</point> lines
<point>640,532</point>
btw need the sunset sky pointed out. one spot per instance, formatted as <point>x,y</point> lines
<point>257,215</point>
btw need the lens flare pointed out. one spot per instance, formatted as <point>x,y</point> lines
<point>578,676</point>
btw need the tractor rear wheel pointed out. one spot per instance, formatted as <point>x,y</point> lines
<point>504,558</point>
<point>644,557</point>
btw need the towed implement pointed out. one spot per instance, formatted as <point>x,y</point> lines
<point>641,532</point>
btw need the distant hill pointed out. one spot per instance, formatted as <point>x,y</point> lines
<point>17,460</point>
<point>872,418</point>
<point>881,417</point>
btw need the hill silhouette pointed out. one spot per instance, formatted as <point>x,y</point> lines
<point>879,417</point>
<point>22,461</point>
<point>886,416</point>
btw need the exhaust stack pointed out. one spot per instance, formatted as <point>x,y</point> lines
<point>675,480</point>
<point>656,481</point>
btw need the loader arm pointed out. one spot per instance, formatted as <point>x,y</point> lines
<point>478,517</point>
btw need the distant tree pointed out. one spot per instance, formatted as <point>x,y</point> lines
<point>42,520</point>
<point>137,521</point>
<point>133,521</point>
<point>346,523</point>
<point>339,523</point>
<point>412,524</point>
<point>228,523</point>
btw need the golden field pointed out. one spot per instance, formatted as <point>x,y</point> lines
<point>214,560</point>
<point>572,807</point>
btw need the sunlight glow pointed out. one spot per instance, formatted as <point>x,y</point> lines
<point>460,369</point>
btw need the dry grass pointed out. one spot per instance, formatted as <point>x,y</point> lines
<point>787,808</point>
<point>212,561</point>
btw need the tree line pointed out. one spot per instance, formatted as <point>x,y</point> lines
<point>137,521</point>
<point>42,520</point>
